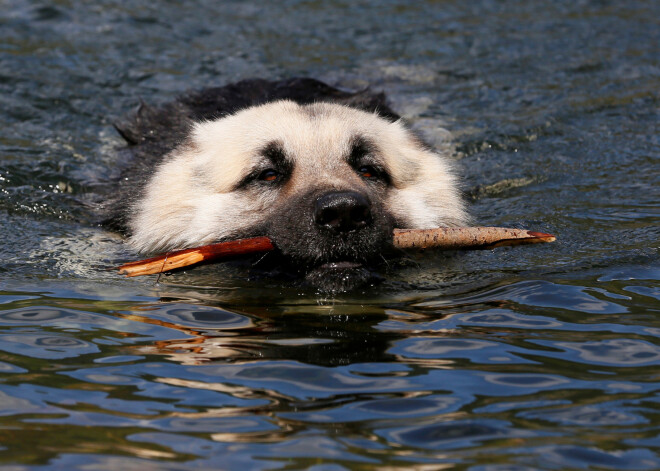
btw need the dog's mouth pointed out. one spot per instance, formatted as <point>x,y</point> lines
<point>330,276</point>
<point>340,276</point>
<point>341,265</point>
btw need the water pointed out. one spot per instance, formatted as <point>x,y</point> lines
<point>541,357</point>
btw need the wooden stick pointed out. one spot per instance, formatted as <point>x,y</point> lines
<point>187,257</point>
<point>442,238</point>
<point>453,238</point>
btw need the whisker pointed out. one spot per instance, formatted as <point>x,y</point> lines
<point>261,259</point>
<point>161,269</point>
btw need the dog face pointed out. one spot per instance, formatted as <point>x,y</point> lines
<point>326,182</point>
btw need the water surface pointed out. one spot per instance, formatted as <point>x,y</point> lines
<point>541,357</point>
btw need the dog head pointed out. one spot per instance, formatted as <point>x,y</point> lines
<point>326,182</point>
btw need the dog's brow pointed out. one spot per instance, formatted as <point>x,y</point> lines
<point>359,147</point>
<point>274,151</point>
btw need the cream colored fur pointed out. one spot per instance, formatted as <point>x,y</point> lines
<point>191,199</point>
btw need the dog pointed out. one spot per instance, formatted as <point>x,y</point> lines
<point>325,173</point>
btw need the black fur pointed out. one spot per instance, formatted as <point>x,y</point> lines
<point>151,133</point>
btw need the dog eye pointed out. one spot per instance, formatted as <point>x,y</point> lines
<point>367,171</point>
<point>269,175</point>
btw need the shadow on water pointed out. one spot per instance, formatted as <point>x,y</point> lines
<point>527,358</point>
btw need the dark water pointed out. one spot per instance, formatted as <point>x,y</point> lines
<point>543,357</point>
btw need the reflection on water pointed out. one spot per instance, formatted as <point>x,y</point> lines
<point>538,357</point>
<point>437,379</point>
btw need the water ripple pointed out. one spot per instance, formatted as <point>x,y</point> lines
<point>198,316</point>
<point>394,408</point>
<point>46,345</point>
<point>478,351</point>
<point>615,352</point>
<point>63,318</point>
<point>587,416</point>
<point>457,434</point>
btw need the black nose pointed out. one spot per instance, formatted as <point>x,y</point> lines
<point>343,211</point>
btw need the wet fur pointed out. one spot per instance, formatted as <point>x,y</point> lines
<point>194,176</point>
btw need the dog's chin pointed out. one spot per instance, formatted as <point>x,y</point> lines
<point>338,277</point>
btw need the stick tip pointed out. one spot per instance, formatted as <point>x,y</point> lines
<point>543,235</point>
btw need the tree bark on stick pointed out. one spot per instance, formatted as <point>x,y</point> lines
<point>462,238</point>
<point>441,238</point>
